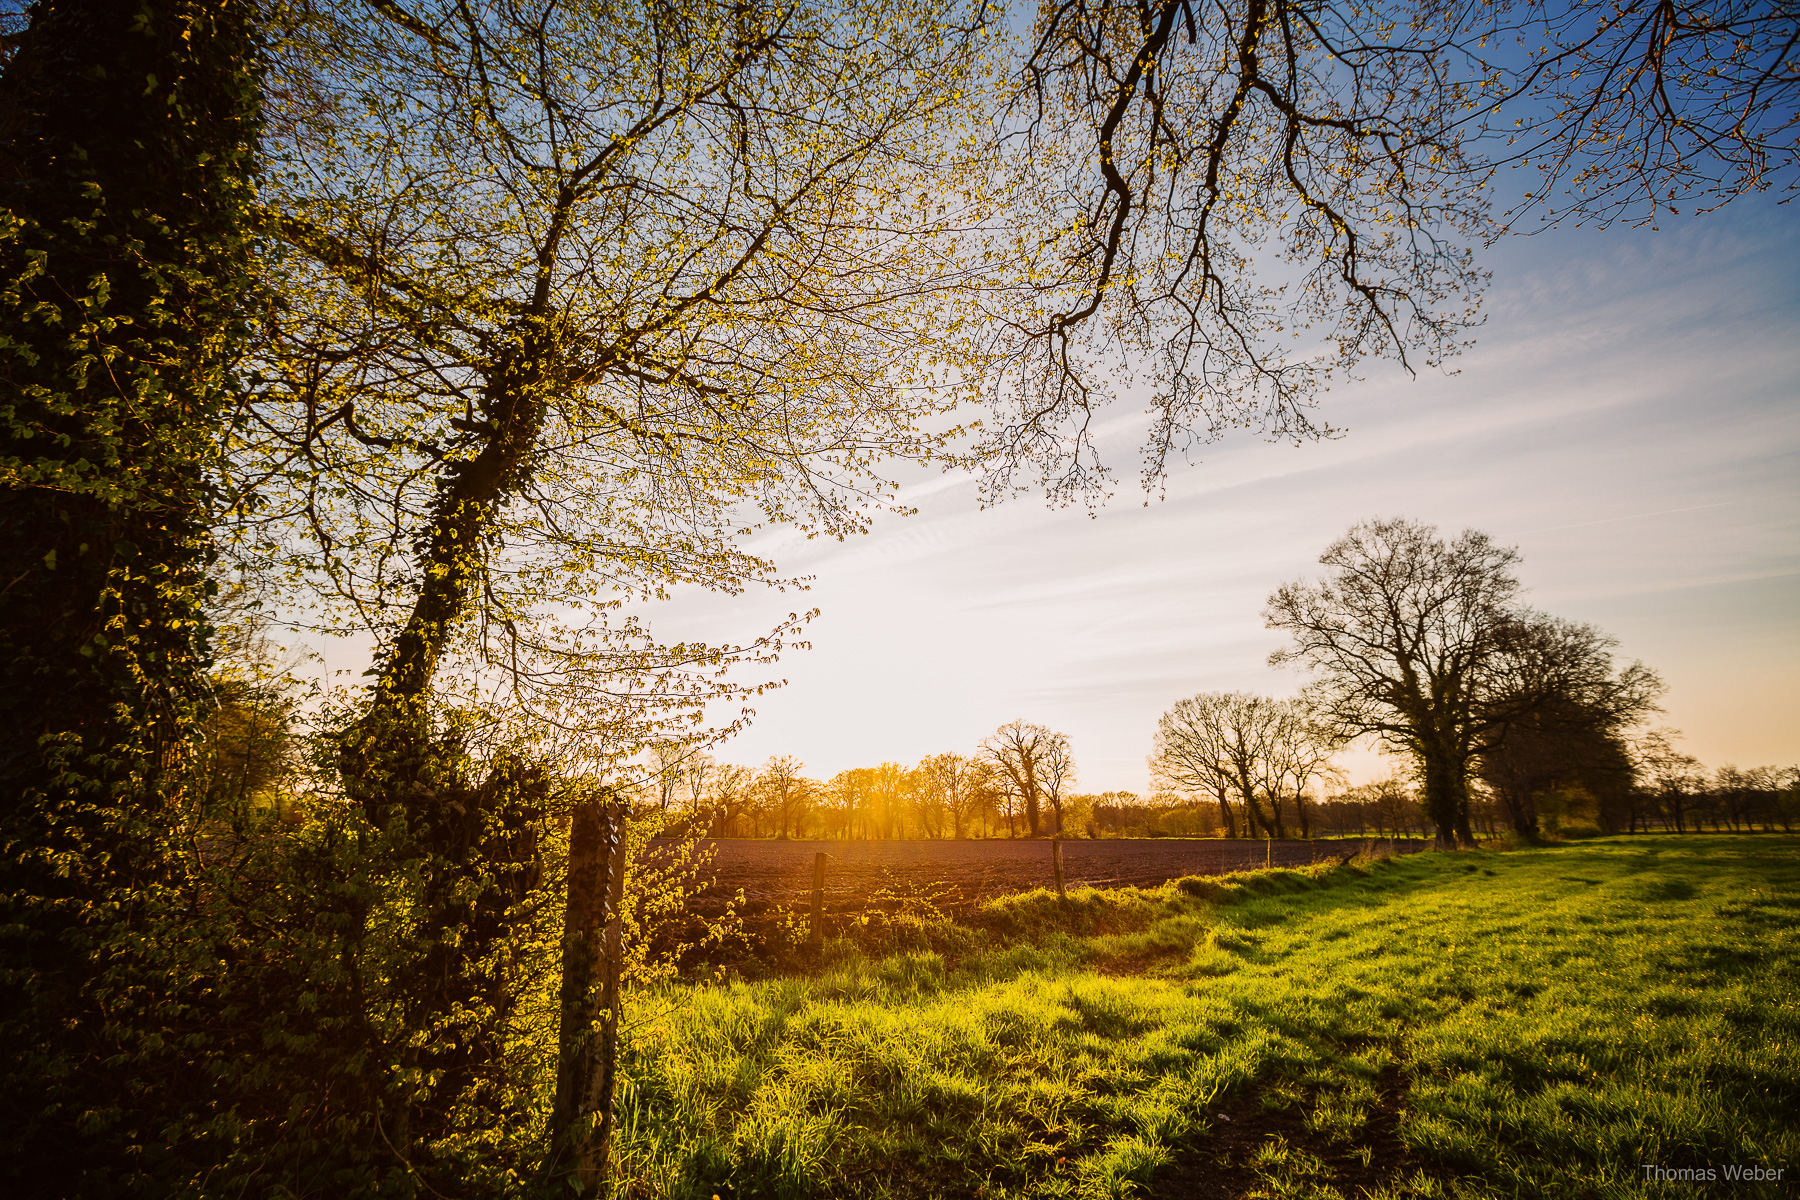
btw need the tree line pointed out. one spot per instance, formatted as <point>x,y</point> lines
<point>448,329</point>
<point>1018,782</point>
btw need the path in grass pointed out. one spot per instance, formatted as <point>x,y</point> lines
<point>1532,1023</point>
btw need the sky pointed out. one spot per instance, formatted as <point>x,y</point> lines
<point>1628,419</point>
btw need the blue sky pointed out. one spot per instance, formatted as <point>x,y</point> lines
<point>1627,418</point>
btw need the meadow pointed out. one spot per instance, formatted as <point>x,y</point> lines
<point>1536,1022</point>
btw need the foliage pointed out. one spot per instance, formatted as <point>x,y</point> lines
<point>556,296</point>
<point>128,128</point>
<point>1569,739</point>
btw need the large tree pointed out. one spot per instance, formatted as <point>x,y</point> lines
<point>1406,636</point>
<point>127,129</point>
<point>571,297</point>
<point>1573,730</point>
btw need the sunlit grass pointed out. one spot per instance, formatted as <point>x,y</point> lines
<point>1544,1022</point>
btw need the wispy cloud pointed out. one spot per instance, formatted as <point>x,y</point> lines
<point>1629,418</point>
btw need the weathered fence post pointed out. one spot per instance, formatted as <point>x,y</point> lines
<point>1057,867</point>
<point>609,1002</point>
<point>588,1032</point>
<point>817,929</point>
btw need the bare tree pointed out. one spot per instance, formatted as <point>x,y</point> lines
<point>1218,743</point>
<point>786,791</point>
<point>1299,752</point>
<point>853,789</point>
<point>1056,773</point>
<point>1404,636</point>
<point>666,767</point>
<point>1393,803</point>
<point>1676,780</point>
<point>956,782</point>
<point>1033,763</point>
<point>729,797</point>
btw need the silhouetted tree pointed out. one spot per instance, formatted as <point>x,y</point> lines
<point>1565,716</point>
<point>1405,636</point>
<point>127,135</point>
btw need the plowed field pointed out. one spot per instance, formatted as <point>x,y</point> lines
<point>781,872</point>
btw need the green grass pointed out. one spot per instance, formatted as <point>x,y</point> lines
<point>1534,1023</point>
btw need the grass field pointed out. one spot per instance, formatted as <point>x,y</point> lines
<point>1531,1023</point>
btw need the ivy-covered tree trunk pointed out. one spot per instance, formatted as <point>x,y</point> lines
<point>127,129</point>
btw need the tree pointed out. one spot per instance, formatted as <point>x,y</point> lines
<point>1222,742</point>
<point>564,295</point>
<point>787,792</point>
<point>1571,732</point>
<point>928,801</point>
<point>727,798</point>
<point>1676,780</point>
<point>1055,774</point>
<point>887,800</point>
<point>249,743</point>
<point>1396,805</point>
<point>962,786</point>
<point>544,328</point>
<point>1211,179</point>
<point>852,789</point>
<point>1298,754</point>
<point>666,770</point>
<point>1405,636</point>
<point>127,129</point>
<point>1032,763</point>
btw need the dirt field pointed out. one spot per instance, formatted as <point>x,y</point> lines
<point>781,872</point>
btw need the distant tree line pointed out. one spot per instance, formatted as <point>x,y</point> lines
<point>1017,783</point>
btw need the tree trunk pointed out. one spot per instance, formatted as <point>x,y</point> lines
<point>1445,791</point>
<point>1522,813</point>
<point>128,129</point>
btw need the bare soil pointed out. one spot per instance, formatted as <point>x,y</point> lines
<point>772,873</point>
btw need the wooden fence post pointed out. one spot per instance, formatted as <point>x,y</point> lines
<point>587,1035</point>
<point>1057,867</point>
<point>609,1000</point>
<point>817,928</point>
